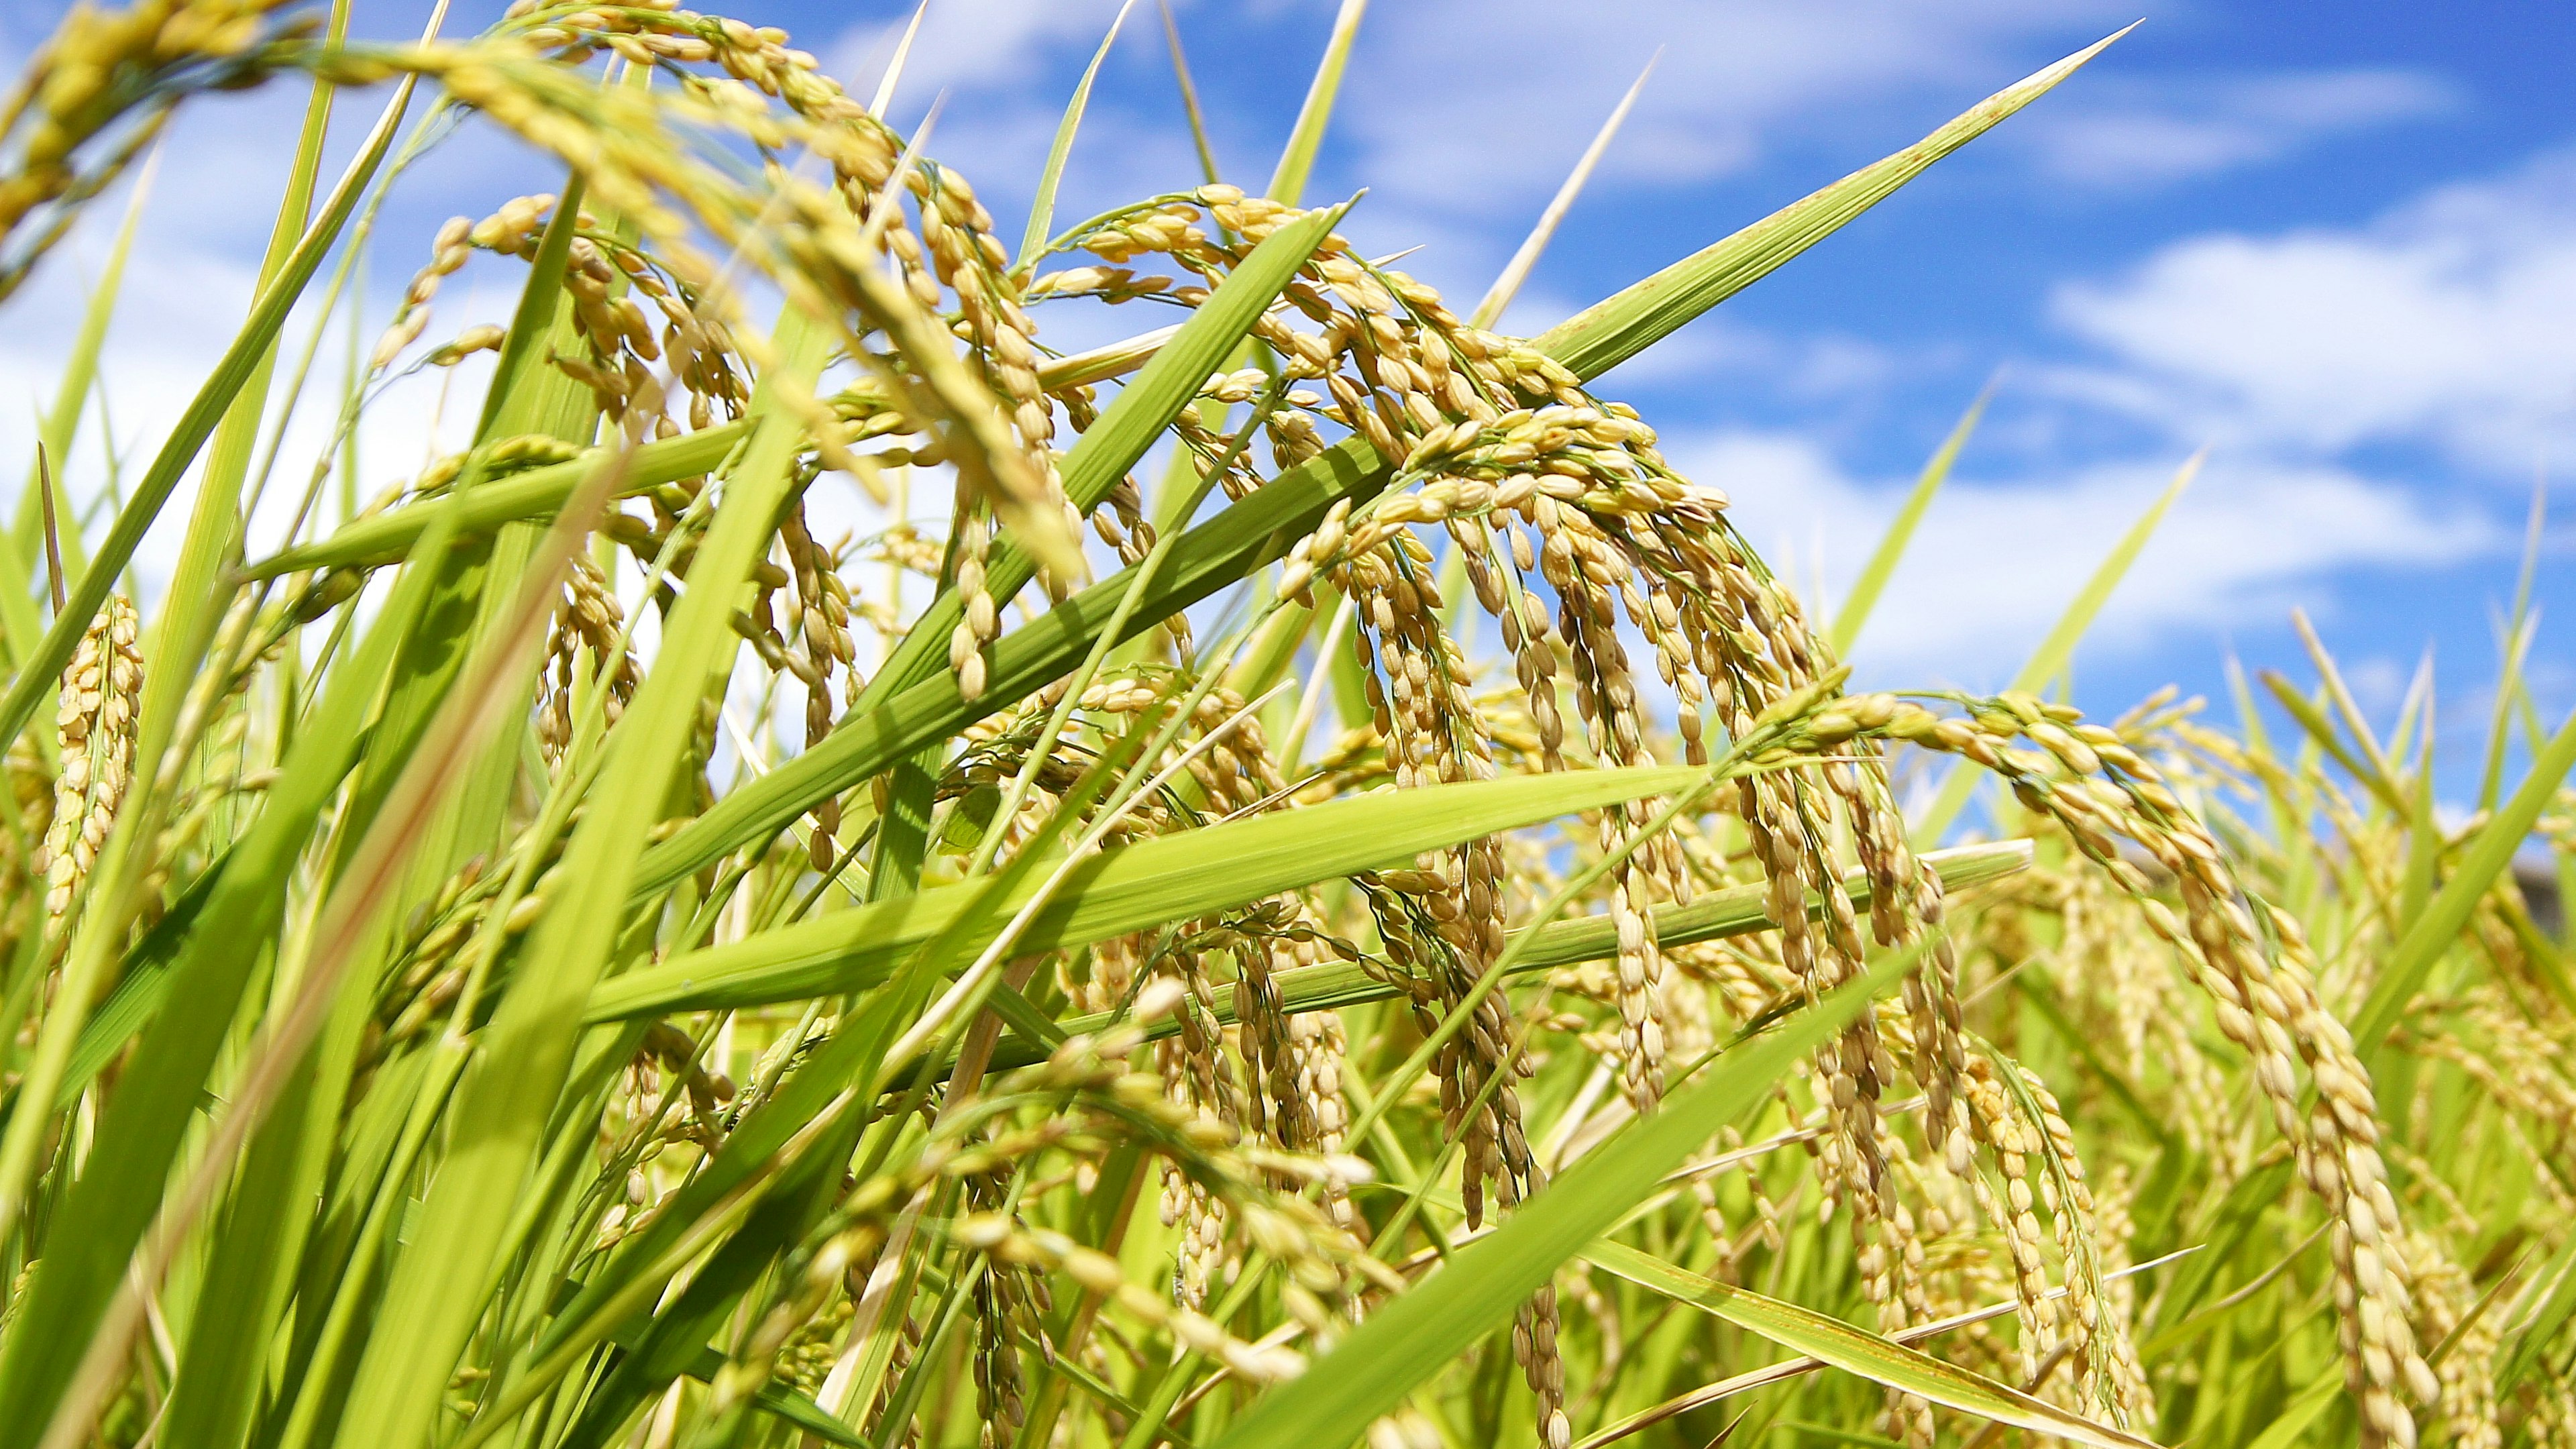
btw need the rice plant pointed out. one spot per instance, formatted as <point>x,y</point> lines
<point>1293,884</point>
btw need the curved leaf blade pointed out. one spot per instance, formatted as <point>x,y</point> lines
<point>1121,891</point>
<point>1610,332</point>
<point>1484,1283</point>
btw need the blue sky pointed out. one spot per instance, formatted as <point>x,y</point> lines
<point>2335,245</point>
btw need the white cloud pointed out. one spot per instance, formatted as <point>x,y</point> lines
<point>1994,564</point>
<point>1437,126</point>
<point>978,45</point>
<point>2444,322</point>
<point>2111,133</point>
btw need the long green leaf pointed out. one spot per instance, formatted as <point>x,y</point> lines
<point>1297,159</point>
<point>245,1290</point>
<point>1498,297</point>
<point>61,425</point>
<point>388,537</point>
<point>1711,916</point>
<point>2484,862</point>
<point>1610,332</point>
<point>147,1119</point>
<point>1481,1285</point>
<point>2531,1335</point>
<point>129,1171</point>
<point>1855,1351</point>
<point>1042,210</point>
<point>2301,1413</point>
<point>1900,532</point>
<point>2312,718</point>
<point>1131,889</point>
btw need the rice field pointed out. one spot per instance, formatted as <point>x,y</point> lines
<point>1292,883</point>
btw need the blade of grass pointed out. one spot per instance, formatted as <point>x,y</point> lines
<point>1517,270</point>
<point>2553,1304</point>
<point>883,101</point>
<point>1900,531</point>
<point>2311,717</point>
<point>276,1057</point>
<point>1042,210</point>
<point>438,1286</point>
<point>1855,1351</point>
<point>2518,634</point>
<point>1788,1368</point>
<point>192,603</point>
<point>1711,916</point>
<point>161,1091</point>
<point>2292,1424</point>
<point>2485,861</point>
<point>61,424</point>
<point>1133,888</point>
<point>1379,1363</point>
<point>1297,159</point>
<point>91,950</point>
<point>2509,690</point>
<point>2423,842</point>
<point>1610,332</point>
<point>1189,94</point>
<point>2345,705</point>
<point>232,374</point>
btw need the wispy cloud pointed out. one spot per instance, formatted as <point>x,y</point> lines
<point>2445,323</point>
<point>1434,123</point>
<point>1995,563</point>
<point>2114,133</point>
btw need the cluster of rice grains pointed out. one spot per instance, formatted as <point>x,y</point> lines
<point>94,733</point>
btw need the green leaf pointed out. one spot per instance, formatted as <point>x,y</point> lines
<point>1610,332</point>
<point>1189,93</point>
<point>1483,1284</point>
<point>61,424</point>
<point>1297,161</point>
<point>1891,547</point>
<point>536,493</point>
<point>2530,1337</point>
<point>1711,915</point>
<point>146,1121</point>
<point>1499,296</point>
<point>2302,1413</point>
<point>2312,719</point>
<point>1042,210</point>
<point>1130,889</point>
<point>2442,923</point>
<point>1856,1351</point>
